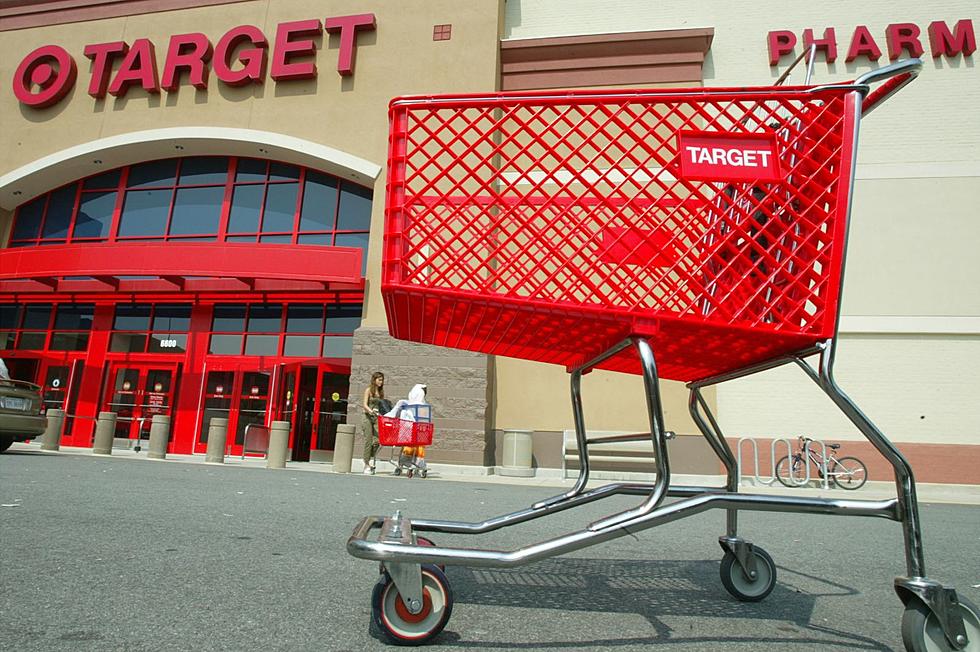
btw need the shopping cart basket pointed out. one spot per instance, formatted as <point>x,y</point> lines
<point>406,438</point>
<point>692,234</point>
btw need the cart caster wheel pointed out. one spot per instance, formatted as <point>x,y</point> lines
<point>424,473</point>
<point>409,474</point>
<point>921,631</point>
<point>397,625</point>
<point>397,471</point>
<point>743,587</point>
<point>426,541</point>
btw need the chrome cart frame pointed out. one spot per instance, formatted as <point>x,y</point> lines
<point>402,555</point>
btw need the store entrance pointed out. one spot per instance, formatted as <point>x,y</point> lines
<point>313,398</point>
<point>137,392</point>
<point>240,395</point>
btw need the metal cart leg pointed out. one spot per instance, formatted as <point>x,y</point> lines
<point>941,601</point>
<point>708,426</point>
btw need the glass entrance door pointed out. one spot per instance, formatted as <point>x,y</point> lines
<point>137,393</point>
<point>237,394</point>
<point>313,398</point>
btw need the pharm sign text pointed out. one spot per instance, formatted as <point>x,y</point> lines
<point>728,157</point>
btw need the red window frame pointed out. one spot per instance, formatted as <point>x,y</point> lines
<point>222,234</point>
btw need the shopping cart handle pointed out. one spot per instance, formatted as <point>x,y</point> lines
<point>895,77</point>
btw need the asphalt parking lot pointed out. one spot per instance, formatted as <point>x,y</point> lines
<point>109,554</point>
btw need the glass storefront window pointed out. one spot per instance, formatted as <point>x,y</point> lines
<point>280,208</point>
<point>95,214</point>
<point>132,318</point>
<point>338,347</point>
<point>31,341</point>
<point>262,345</point>
<point>302,318</point>
<point>153,173</point>
<point>355,208</point>
<point>145,213</point>
<point>264,318</point>
<point>103,181</point>
<point>76,317</point>
<point>197,211</point>
<point>172,318</point>
<point>226,345</point>
<point>167,343</point>
<point>319,203</point>
<point>69,341</point>
<point>9,315</point>
<point>128,342</point>
<point>59,213</point>
<point>301,346</point>
<point>343,318</point>
<point>246,208</point>
<point>29,216</point>
<point>251,170</point>
<point>270,202</point>
<point>37,316</point>
<point>229,318</point>
<point>204,171</point>
<point>26,327</point>
<point>160,328</point>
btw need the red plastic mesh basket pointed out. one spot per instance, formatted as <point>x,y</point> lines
<point>550,227</point>
<point>393,431</point>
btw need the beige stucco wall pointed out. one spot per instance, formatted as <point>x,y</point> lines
<point>911,305</point>
<point>348,114</point>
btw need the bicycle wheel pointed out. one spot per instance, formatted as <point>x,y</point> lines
<point>849,473</point>
<point>790,475</point>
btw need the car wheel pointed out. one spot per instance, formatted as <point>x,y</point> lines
<point>5,442</point>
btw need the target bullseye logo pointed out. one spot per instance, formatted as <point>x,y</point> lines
<point>45,76</point>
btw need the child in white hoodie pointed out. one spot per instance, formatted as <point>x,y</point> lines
<point>413,409</point>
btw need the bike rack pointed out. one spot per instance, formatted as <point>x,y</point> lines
<point>797,482</point>
<point>759,480</point>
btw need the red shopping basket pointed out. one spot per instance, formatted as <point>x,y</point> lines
<point>551,226</point>
<point>393,431</point>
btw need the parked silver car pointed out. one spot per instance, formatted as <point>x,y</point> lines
<point>20,412</point>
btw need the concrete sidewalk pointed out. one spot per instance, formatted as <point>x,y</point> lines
<point>927,492</point>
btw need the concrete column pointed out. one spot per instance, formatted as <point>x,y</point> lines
<point>159,437</point>
<point>217,435</point>
<point>105,430</point>
<point>278,443</point>
<point>343,448</point>
<point>517,454</point>
<point>51,439</point>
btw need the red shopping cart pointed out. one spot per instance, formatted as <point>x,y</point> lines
<point>690,234</point>
<point>408,439</point>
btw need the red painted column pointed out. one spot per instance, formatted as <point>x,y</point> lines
<point>185,421</point>
<point>93,377</point>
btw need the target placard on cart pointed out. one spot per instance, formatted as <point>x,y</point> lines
<point>550,226</point>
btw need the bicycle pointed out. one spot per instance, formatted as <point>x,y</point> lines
<point>846,472</point>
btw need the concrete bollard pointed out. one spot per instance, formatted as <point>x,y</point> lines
<point>517,454</point>
<point>105,430</point>
<point>159,437</point>
<point>343,448</point>
<point>278,443</point>
<point>217,435</point>
<point>51,439</point>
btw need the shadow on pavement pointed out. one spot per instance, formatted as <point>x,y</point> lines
<point>651,589</point>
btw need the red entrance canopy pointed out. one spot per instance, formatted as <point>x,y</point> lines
<point>174,266</point>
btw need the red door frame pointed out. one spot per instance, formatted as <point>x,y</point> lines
<point>320,366</point>
<point>142,409</point>
<point>238,367</point>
